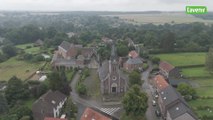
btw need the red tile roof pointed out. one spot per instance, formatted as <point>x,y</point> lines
<point>165,66</point>
<point>133,54</point>
<point>90,114</point>
<point>160,82</point>
<point>50,118</point>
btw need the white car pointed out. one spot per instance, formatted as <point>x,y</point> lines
<point>153,102</point>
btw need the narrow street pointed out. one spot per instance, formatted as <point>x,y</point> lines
<point>150,113</point>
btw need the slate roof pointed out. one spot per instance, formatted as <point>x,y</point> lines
<point>180,109</point>
<point>90,114</point>
<point>176,82</point>
<point>65,45</point>
<point>160,82</point>
<point>43,107</point>
<point>103,70</point>
<point>169,95</point>
<point>134,61</point>
<point>166,66</point>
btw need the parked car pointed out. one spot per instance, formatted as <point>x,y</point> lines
<point>154,103</point>
<point>157,113</point>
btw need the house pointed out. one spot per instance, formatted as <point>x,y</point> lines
<point>39,42</point>
<point>48,105</point>
<point>71,34</point>
<point>175,82</point>
<point>160,83</point>
<point>112,79</point>
<point>50,118</point>
<point>106,40</point>
<point>72,56</point>
<point>90,114</point>
<point>173,106</point>
<point>168,70</point>
<point>134,62</point>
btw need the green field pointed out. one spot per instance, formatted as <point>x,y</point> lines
<point>202,102</point>
<point>183,59</point>
<point>21,69</point>
<point>32,50</point>
<point>160,18</point>
<point>196,72</point>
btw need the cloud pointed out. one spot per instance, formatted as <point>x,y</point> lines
<point>101,5</point>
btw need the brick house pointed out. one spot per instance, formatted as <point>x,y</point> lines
<point>171,103</point>
<point>134,62</point>
<point>90,114</point>
<point>72,56</point>
<point>168,70</point>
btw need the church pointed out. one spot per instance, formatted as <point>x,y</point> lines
<point>112,79</point>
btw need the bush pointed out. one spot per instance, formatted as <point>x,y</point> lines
<point>38,58</point>
<point>155,60</point>
<point>28,47</point>
<point>81,89</point>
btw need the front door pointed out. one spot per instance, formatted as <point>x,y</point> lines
<point>113,89</point>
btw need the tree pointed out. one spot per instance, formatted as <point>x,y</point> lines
<point>209,60</point>
<point>122,50</point>
<point>81,89</point>
<point>20,111</point>
<point>135,78</point>
<point>135,102</point>
<point>187,91</point>
<point>9,50</point>
<point>168,41</point>
<point>16,90</point>
<point>58,81</point>
<point>70,108</point>
<point>155,60</point>
<point>3,104</point>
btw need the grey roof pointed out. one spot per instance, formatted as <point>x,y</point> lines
<point>169,95</point>
<point>178,81</point>
<point>65,45</point>
<point>43,107</point>
<point>180,109</point>
<point>104,70</point>
<point>134,61</point>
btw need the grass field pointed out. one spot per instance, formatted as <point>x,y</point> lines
<point>93,84</point>
<point>32,50</point>
<point>183,59</point>
<point>161,18</point>
<point>196,72</point>
<point>203,102</point>
<point>21,69</point>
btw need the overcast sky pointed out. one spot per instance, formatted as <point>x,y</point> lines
<point>102,5</point>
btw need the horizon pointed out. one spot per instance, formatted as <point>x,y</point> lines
<point>101,5</point>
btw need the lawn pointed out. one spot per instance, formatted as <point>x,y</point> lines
<point>201,102</point>
<point>196,72</point>
<point>93,84</point>
<point>29,103</point>
<point>21,69</point>
<point>31,50</point>
<point>183,59</point>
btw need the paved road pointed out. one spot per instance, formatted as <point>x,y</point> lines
<point>82,103</point>
<point>150,113</point>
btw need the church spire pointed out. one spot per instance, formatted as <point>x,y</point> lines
<point>113,52</point>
